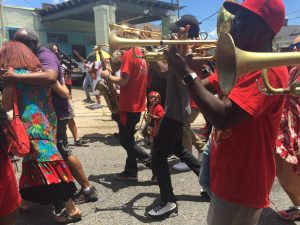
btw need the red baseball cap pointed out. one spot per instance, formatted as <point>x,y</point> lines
<point>271,11</point>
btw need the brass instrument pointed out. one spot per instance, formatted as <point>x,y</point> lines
<point>107,88</point>
<point>119,42</point>
<point>232,62</point>
<point>135,31</point>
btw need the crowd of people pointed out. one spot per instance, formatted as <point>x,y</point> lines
<point>249,138</point>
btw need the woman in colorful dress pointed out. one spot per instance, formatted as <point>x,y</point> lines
<point>45,176</point>
<point>288,147</point>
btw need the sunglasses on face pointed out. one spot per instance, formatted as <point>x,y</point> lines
<point>292,46</point>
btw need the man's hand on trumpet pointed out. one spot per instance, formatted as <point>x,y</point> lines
<point>180,57</point>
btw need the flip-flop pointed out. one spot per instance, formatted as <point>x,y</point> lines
<point>67,218</point>
<point>291,214</point>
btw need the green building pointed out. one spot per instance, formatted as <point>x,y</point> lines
<point>81,24</point>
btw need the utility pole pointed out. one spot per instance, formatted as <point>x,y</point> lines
<point>2,22</point>
<point>178,13</point>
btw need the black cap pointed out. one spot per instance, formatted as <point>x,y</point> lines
<point>186,20</point>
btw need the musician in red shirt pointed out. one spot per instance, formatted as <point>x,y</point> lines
<point>132,102</point>
<point>246,122</point>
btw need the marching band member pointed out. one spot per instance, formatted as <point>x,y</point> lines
<point>246,121</point>
<point>132,102</point>
<point>168,139</point>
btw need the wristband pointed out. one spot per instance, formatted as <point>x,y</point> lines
<point>189,78</point>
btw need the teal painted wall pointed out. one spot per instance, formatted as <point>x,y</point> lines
<point>78,32</point>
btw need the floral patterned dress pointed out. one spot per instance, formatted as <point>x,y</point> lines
<point>288,141</point>
<point>44,165</point>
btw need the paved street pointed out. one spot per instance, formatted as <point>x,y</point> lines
<point>124,203</point>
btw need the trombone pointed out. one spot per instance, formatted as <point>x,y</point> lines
<point>232,62</point>
<point>119,42</point>
<point>134,31</point>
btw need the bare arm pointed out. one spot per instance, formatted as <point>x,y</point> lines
<point>7,98</point>
<point>221,113</point>
<point>160,68</point>
<point>122,81</point>
<point>61,90</point>
<point>42,78</point>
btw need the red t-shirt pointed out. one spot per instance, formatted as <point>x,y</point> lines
<point>242,162</point>
<point>158,111</point>
<point>133,96</point>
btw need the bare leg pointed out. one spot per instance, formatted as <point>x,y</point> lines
<point>77,171</point>
<point>71,210</point>
<point>98,99</point>
<point>10,219</point>
<point>73,128</point>
<point>288,179</point>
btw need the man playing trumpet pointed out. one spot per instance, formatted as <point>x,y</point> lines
<point>242,163</point>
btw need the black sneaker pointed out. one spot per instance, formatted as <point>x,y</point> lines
<point>81,197</point>
<point>80,142</point>
<point>125,175</point>
<point>163,210</point>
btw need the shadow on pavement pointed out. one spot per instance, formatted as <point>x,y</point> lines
<point>108,181</point>
<point>269,217</point>
<point>107,139</point>
<point>131,207</point>
<point>39,215</point>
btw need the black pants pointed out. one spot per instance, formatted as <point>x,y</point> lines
<point>126,136</point>
<point>169,141</point>
<point>62,139</point>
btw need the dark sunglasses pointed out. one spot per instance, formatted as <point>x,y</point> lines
<point>292,46</point>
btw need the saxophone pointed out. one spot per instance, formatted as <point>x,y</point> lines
<point>107,88</point>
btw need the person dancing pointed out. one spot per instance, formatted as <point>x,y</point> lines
<point>287,156</point>
<point>45,177</point>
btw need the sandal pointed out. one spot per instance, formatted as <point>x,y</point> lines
<point>291,214</point>
<point>65,218</point>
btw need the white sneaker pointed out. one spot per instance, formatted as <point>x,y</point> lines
<point>163,210</point>
<point>96,106</point>
<point>181,166</point>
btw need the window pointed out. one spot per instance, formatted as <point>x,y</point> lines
<point>57,38</point>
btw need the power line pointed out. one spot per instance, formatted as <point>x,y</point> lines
<point>297,17</point>
<point>209,17</point>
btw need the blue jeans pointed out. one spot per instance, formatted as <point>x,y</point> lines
<point>204,176</point>
<point>87,85</point>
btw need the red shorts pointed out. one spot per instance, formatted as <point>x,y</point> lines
<point>9,193</point>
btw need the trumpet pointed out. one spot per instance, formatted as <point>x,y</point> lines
<point>135,31</point>
<point>232,62</point>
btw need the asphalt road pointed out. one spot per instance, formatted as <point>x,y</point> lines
<point>124,203</point>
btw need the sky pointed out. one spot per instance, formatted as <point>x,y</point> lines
<point>202,9</point>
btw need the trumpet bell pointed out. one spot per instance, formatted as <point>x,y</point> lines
<point>226,63</point>
<point>232,62</point>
